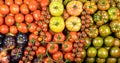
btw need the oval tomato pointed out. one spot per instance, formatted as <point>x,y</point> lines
<point>36,15</point>
<point>14,8</point>
<point>24,9</point>
<point>33,5</point>
<point>18,2</point>
<point>9,20</point>
<point>28,18</point>
<point>59,37</point>
<point>8,2</point>
<point>22,27</point>
<point>40,51</point>
<point>4,29</point>
<point>69,56</point>
<point>4,9</point>
<point>32,27</point>
<point>67,46</point>
<point>58,55</point>
<point>13,29</point>
<point>52,48</point>
<point>19,18</point>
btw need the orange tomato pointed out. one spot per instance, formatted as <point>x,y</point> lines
<point>28,18</point>
<point>36,15</point>
<point>22,27</point>
<point>14,8</point>
<point>18,2</point>
<point>19,18</point>
<point>9,20</point>
<point>32,27</point>
<point>33,5</point>
<point>24,9</point>
<point>4,9</point>
<point>1,20</point>
<point>13,30</point>
<point>4,29</point>
<point>8,2</point>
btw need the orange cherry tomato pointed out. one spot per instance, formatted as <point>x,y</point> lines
<point>8,2</point>
<point>58,55</point>
<point>1,20</point>
<point>14,8</point>
<point>32,27</point>
<point>69,56</point>
<point>4,9</point>
<point>22,27</point>
<point>13,30</point>
<point>28,18</point>
<point>24,9</point>
<point>4,29</point>
<point>9,20</point>
<point>33,5</point>
<point>36,15</point>
<point>18,2</point>
<point>19,18</point>
<point>33,36</point>
<point>40,51</point>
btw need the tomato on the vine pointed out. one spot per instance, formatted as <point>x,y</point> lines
<point>47,37</point>
<point>67,46</point>
<point>32,27</point>
<point>48,60</point>
<point>22,27</point>
<point>58,55</point>
<point>59,37</point>
<point>52,48</point>
<point>33,37</point>
<point>36,14</point>
<point>40,51</point>
<point>69,56</point>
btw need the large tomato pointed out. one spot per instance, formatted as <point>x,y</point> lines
<point>14,8</point>
<point>59,37</point>
<point>115,26</point>
<point>4,9</point>
<point>103,4</point>
<point>57,24</point>
<point>47,37</point>
<point>73,36</point>
<point>93,32</point>
<point>13,30</point>
<point>67,46</point>
<point>73,23</point>
<point>33,5</point>
<point>24,9</point>
<point>19,18</point>
<point>74,8</point>
<point>52,48</point>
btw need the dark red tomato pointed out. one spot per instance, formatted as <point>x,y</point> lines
<point>24,9</point>
<point>1,20</point>
<point>69,56</point>
<point>67,46</point>
<point>14,8</point>
<point>47,37</point>
<point>4,9</point>
<point>32,27</point>
<point>22,27</point>
<point>27,1</point>
<point>33,5</point>
<point>52,48</point>
<point>59,37</point>
<point>44,3</point>
<point>8,2</point>
<point>9,20</point>
<point>19,18</point>
<point>4,29</point>
<point>36,15</point>
<point>73,36</point>
<point>48,60</point>
<point>40,51</point>
<point>33,37</point>
<point>18,2</point>
<point>28,18</point>
<point>13,30</point>
<point>58,55</point>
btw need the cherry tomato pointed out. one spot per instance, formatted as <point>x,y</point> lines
<point>69,56</point>
<point>24,9</point>
<point>58,55</point>
<point>13,30</point>
<point>33,36</point>
<point>47,60</point>
<point>19,18</point>
<point>67,46</point>
<point>4,29</point>
<point>9,20</point>
<point>28,18</point>
<point>14,8</point>
<point>44,3</point>
<point>33,5</point>
<point>73,36</point>
<point>59,37</point>
<point>22,27</point>
<point>1,20</point>
<point>4,9</point>
<point>18,2</point>
<point>52,48</point>
<point>47,37</point>
<point>8,2</point>
<point>27,1</point>
<point>41,50</point>
<point>36,15</point>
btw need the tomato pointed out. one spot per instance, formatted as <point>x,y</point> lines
<point>65,14</point>
<point>117,35</point>
<point>73,23</point>
<point>67,46</point>
<point>115,26</point>
<point>52,48</point>
<point>28,18</point>
<point>1,20</point>
<point>59,37</point>
<point>22,27</point>
<point>14,8</point>
<point>87,42</point>
<point>26,1</point>
<point>74,8</point>
<point>4,29</point>
<point>103,4</point>
<point>24,9</point>
<point>73,36</point>
<point>58,55</point>
<point>32,27</point>
<point>33,5</point>
<point>91,52</point>
<point>115,52</point>
<point>109,41</point>
<point>8,2</point>
<point>69,56</point>
<point>33,37</point>
<point>40,51</point>
<point>48,60</point>
<point>4,9</point>
<point>19,18</point>
<point>102,53</point>
<point>9,20</point>
<point>13,30</point>
<point>36,15</point>
<point>93,32</point>
<point>98,42</point>
<point>90,6</point>
<point>101,17</point>
<point>44,3</point>
<point>47,37</point>
<point>18,2</point>
<point>1,2</point>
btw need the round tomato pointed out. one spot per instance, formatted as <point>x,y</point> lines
<point>69,56</point>
<point>33,5</point>
<point>59,37</point>
<point>93,32</point>
<point>32,27</point>
<point>36,15</point>
<point>44,3</point>
<point>67,46</point>
<point>9,20</point>
<point>4,9</point>
<point>28,18</point>
<point>1,20</point>
<point>48,60</point>
<point>47,37</point>
<point>103,4</point>
<point>13,29</point>
<point>4,29</point>
<point>58,55</point>
<point>8,2</point>
<point>22,27</point>
<point>26,1</point>
<point>33,37</point>
<point>14,8</point>
<point>19,18</point>
<point>52,48</point>
<point>40,51</point>
<point>18,2</point>
<point>115,26</point>
<point>73,36</point>
<point>24,9</point>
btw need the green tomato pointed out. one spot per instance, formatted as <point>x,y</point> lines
<point>98,41</point>
<point>93,32</point>
<point>102,53</point>
<point>115,26</point>
<point>91,52</point>
<point>100,60</point>
<point>83,53</point>
<point>109,41</point>
<point>116,42</point>
<point>117,35</point>
<point>104,30</point>
<point>57,24</point>
<point>115,52</point>
<point>87,42</point>
<point>118,6</point>
<point>90,60</point>
<point>56,8</point>
<point>111,60</point>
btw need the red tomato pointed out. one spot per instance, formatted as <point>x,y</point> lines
<point>18,2</point>
<point>8,2</point>
<point>59,37</point>
<point>69,56</point>
<point>28,18</point>
<point>47,60</point>
<point>22,27</point>
<point>73,36</point>
<point>19,18</point>
<point>14,8</point>
<point>58,55</point>
<point>36,15</point>
<point>40,51</point>
<point>52,48</point>
<point>67,46</point>
<point>44,3</point>
<point>4,29</point>
<point>4,9</point>
<point>27,1</point>
<point>33,36</point>
<point>1,20</point>
<point>9,20</point>
<point>33,5</point>
<point>32,27</point>
<point>24,9</point>
<point>13,30</point>
<point>47,37</point>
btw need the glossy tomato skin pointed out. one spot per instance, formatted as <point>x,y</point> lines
<point>40,51</point>
<point>4,29</point>
<point>73,36</point>
<point>36,15</point>
<point>33,37</point>
<point>69,56</point>
<point>52,48</point>
<point>8,2</point>
<point>58,55</point>
<point>24,9</point>
<point>28,18</point>
<point>22,27</point>
<point>59,37</point>
<point>18,2</point>
<point>19,18</point>
<point>32,27</point>
<point>47,60</point>
<point>4,9</point>
<point>33,5</point>
<point>93,32</point>
<point>13,29</point>
<point>44,3</point>
<point>103,4</point>
<point>48,37</point>
<point>67,46</point>
<point>9,20</point>
<point>14,8</point>
<point>1,20</point>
